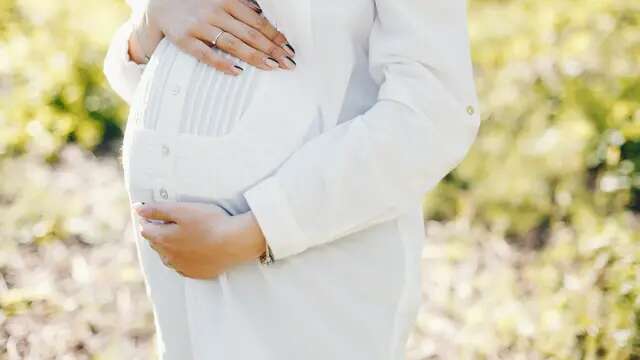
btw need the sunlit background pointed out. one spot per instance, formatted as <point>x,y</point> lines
<point>534,241</point>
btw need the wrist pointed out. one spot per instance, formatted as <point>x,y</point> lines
<point>144,38</point>
<point>250,232</point>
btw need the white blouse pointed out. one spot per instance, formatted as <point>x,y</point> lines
<point>333,158</point>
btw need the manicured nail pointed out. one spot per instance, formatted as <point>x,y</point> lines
<point>136,206</point>
<point>271,62</point>
<point>237,70</point>
<point>289,49</point>
<point>291,63</point>
<point>256,7</point>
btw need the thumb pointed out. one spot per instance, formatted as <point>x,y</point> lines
<point>164,211</point>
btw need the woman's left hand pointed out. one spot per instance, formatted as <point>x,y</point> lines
<point>199,240</point>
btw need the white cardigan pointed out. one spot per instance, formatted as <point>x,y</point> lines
<point>392,81</point>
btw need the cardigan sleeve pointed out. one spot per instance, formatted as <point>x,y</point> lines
<point>369,169</point>
<point>122,73</point>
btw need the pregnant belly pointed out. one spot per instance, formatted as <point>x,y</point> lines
<point>178,94</point>
<point>195,133</point>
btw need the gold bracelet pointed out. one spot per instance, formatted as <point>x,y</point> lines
<point>267,257</point>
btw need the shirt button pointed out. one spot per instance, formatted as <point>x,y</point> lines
<point>165,150</point>
<point>470,110</point>
<point>175,90</point>
<point>164,194</point>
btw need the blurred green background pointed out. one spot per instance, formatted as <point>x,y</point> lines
<point>533,245</point>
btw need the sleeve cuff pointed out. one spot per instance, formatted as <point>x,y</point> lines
<point>269,205</point>
<point>121,71</point>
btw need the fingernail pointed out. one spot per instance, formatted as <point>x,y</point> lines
<point>289,49</point>
<point>136,206</point>
<point>237,70</point>
<point>257,7</point>
<point>291,63</point>
<point>271,62</point>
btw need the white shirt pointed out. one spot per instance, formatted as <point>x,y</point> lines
<point>333,158</point>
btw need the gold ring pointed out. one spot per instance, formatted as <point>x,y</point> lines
<point>215,41</point>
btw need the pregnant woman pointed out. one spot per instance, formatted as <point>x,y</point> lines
<point>276,157</point>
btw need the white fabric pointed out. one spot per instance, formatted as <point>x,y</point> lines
<point>333,158</point>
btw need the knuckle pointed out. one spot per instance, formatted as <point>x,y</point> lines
<point>253,35</point>
<point>262,23</point>
<point>173,258</point>
<point>231,42</point>
<point>276,51</point>
<point>154,244</point>
<point>223,41</point>
<point>181,41</point>
<point>255,57</point>
<point>279,38</point>
<point>190,28</point>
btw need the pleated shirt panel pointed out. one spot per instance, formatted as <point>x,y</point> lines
<point>214,101</point>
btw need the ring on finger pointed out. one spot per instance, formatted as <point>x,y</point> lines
<point>215,40</point>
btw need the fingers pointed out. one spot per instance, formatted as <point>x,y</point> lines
<point>256,41</point>
<point>157,233</point>
<point>205,54</point>
<point>158,237</point>
<point>252,5</point>
<point>246,15</point>
<point>231,44</point>
<point>164,211</point>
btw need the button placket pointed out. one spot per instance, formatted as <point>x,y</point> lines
<point>173,100</point>
<point>164,145</point>
<point>169,127</point>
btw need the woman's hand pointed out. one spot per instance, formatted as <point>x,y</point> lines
<point>199,240</point>
<point>194,25</point>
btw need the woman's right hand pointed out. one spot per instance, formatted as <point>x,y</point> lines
<point>193,26</point>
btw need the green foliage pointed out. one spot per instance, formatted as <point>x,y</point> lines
<point>536,252</point>
<point>556,171</point>
<point>52,90</point>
